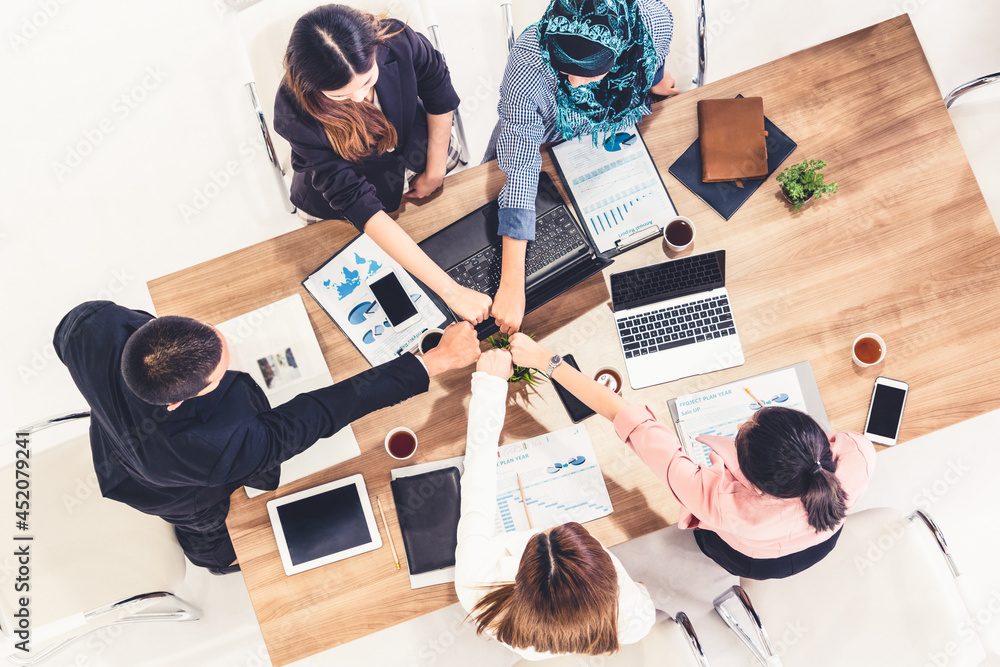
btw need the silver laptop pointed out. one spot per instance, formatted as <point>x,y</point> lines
<point>674,319</point>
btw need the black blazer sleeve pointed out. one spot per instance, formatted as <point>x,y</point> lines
<point>339,180</point>
<point>278,434</point>
<point>433,78</point>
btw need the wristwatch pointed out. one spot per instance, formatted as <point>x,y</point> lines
<point>553,362</point>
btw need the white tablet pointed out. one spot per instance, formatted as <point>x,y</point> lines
<point>324,524</point>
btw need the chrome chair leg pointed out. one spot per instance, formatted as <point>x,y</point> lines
<point>688,628</point>
<point>969,86</point>
<point>759,644</point>
<point>54,420</point>
<point>939,536</point>
<point>279,173</point>
<point>699,77</point>
<point>508,23</point>
<point>185,612</point>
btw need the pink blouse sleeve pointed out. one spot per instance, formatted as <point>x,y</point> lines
<point>697,488</point>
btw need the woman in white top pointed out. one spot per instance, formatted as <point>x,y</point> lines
<point>543,592</point>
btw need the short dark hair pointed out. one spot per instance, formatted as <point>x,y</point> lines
<point>778,453</point>
<point>170,359</point>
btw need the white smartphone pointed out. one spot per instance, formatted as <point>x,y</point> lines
<point>885,413</point>
<point>395,302</point>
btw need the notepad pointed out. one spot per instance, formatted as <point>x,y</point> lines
<point>726,198</point>
<point>561,477</point>
<point>615,188</point>
<point>720,410</point>
<point>428,507</point>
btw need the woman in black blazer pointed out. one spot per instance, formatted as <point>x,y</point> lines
<point>365,103</point>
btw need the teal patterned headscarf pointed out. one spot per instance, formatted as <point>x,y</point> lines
<point>614,102</point>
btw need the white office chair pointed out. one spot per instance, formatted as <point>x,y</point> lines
<point>888,594</point>
<point>265,28</point>
<point>688,57</point>
<point>670,642</point>
<point>93,562</point>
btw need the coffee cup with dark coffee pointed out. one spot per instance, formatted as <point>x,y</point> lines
<point>610,377</point>
<point>401,443</point>
<point>679,233</point>
<point>429,340</point>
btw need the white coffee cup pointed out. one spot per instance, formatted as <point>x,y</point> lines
<point>685,225</point>
<point>388,439</point>
<point>854,350</point>
<point>425,335</point>
<point>611,378</point>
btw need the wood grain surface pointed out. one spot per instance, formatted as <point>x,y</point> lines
<point>906,249</point>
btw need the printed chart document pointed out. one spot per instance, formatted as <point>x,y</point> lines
<point>561,478</point>
<point>720,410</point>
<point>616,189</point>
<point>340,287</point>
<point>276,346</point>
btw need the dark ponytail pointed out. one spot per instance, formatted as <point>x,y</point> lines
<point>786,454</point>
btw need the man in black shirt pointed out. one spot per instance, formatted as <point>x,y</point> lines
<point>173,432</point>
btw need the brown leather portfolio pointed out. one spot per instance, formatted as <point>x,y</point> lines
<point>733,139</point>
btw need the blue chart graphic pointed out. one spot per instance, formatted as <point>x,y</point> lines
<point>615,143</point>
<point>352,279</point>
<point>779,398</point>
<point>552,500</point>
<point>611,212</point>
<point>361,312</point>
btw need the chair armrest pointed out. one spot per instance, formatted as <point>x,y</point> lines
<point>939,536</point>
<point>969,86</point>
<point>688,628</point>
<point>54,420</point>
<point>761,646</point>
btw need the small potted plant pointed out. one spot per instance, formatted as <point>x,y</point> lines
<point>802,182</point>
<point>521,374</point>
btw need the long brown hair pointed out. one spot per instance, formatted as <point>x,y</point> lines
<point>564,598</point>
<point>329,46</point>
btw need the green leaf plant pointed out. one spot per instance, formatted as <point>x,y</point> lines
<point>527,375</point>
<point>801,182</point>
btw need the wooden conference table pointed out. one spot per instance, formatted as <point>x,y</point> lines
<point>907,249</point>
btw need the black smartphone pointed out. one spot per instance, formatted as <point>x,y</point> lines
<point>395,302</point>
<point>577,409</point>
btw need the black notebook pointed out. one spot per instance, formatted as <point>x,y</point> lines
<point>428,506</point>
<point>727,197</point>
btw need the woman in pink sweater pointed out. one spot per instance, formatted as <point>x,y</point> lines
<point>775,497</point>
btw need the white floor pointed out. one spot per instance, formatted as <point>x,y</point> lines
<point>131,153</point>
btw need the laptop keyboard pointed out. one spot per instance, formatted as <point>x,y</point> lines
<point>675,326</point>
<point>687,273</point>
<point>557,242</point>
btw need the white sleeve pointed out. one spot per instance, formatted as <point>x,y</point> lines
<point>636,613</point>
<point>475,560</point>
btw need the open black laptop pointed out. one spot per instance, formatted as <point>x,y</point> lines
<point>559,258</point>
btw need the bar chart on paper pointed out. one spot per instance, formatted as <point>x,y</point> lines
<point>561,478</point>
<point>616,187</point>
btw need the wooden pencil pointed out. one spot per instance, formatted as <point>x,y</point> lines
<point>387,533</point>
<point>524,501</point>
